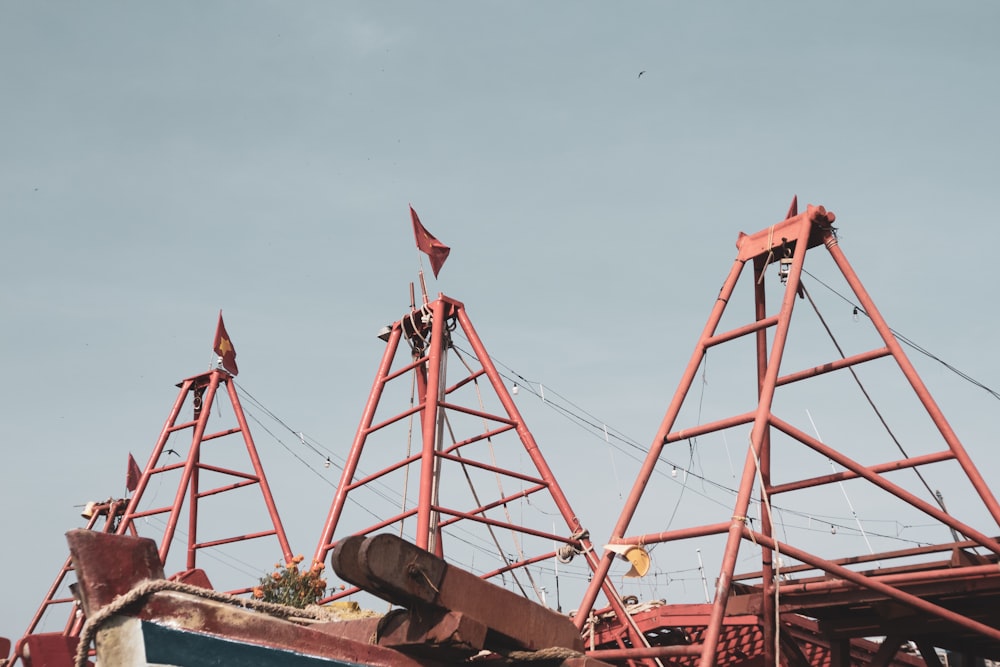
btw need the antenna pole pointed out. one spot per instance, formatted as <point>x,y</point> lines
<point>423,287</point>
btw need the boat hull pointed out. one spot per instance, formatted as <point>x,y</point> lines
<point>133,642</point>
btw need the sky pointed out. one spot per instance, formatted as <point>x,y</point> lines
<point>160,162</point>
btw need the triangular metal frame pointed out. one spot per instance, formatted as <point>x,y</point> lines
<point>110,511</point>
<point>122,516</point>
<point>203,391</point>
<point>786,243</point>
<point>428,331</point>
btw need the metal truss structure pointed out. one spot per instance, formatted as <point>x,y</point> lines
<point>933,602</point>
<point>462,424</point>
<point>444,417</point>
<point>129,516</point>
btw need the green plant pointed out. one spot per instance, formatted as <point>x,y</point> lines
<point>288,585</point>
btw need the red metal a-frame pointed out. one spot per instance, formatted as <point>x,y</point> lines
<point>463,431</point>
<point>110,511</point>
<point>128,515</point>
<point>203,390</point>
<point>946,604</point>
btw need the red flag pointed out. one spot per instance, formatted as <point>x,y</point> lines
<point>435,250</point>
<point>133,474</point>
<point>793,210</point>
<point>224,348</point>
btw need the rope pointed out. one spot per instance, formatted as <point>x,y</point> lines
<point>551,653</point>
<point>409,449</point>
<point>427,579</point>
<point>475,494</point>
<point>776,558</point>
<point>426,314</point>
<point>903,339</point>
<point>147,588</point>
<point>770,254</point>
<point>871,403</point>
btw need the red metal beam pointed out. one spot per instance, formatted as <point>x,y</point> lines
<point>877,585</point>
<point>968,467</point>
<point>862,471</point>
<point>656,448</point>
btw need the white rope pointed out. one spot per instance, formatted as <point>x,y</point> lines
<point>499,481</point>
<point>843,489</point>
<point>147,588</point>
<point>775,561</point>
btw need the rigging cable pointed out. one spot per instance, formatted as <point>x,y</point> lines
<point>843,490</point>
<point>384,494</point>
<point>594,425</point>
<point>586,421</point>
<point>409,450</point>
<point>475,495</point>
<point>965,376</point>
<point>672,576</point>
<point>867,396</point>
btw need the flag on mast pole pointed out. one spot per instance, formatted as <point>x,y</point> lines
<point>426,243</point>
<point>793,210</point>
<point>224,348</point>
<point>133,474</point>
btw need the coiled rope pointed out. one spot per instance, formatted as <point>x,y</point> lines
<point>147,588</point>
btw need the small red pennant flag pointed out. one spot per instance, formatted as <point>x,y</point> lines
<point>793,210</point>
<point>224,348</point>
<point>133,474</point>
<point>426,243</point>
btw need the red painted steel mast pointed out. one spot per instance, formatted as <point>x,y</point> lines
<point>203,391</point>
<point>462,426</point>
<point>933,595</point>
<point>130,515</point>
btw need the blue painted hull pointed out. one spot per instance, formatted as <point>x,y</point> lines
<point>170,646</point>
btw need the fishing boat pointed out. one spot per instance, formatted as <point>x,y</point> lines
<point>443,615</point>
<point>441,424</point>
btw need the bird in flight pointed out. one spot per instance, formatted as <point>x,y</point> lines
<point>640,74</point>
<point>172,451</point>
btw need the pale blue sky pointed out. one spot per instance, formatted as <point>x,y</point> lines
<point>160,161</point>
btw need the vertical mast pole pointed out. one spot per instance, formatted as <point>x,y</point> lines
<point>429,427</point>
<point>770,629</point>
<point>758,441</point>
